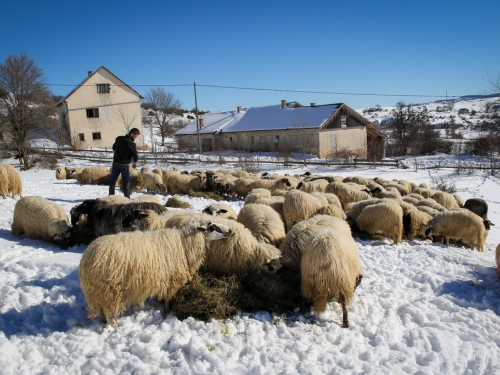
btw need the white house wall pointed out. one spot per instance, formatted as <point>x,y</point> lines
<point>120,102</point>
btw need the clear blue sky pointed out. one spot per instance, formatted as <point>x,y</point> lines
<point>395,47</point>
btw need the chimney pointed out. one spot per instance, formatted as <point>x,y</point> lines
<point>313,104</point>
<point>238,109</point>
<point>201,123</point>
<point>283,103</point>
<point>89,73</point>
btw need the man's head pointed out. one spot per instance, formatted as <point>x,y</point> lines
<point>134,133</point>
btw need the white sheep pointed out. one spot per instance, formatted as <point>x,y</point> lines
<point>15,185</point>
<point>60,173</point>
<point>96,176</point>
<point>257,194</point>
<point>119,270</point>
<point>347,193</point>
<point>315,185</point>
<point>239,253</point>
<point>354,209</point>
<point>445,199</point>
<point>40,218</point>
<point>429,202</point>
<point>221,209</point>
<point>385,217</point>
<point>183,183</point>
<point>265,223</point>
<point>458,224</point>
<point>283,183</point>
<point>330,269</point>
<point>332,210</point>
<point>414,222</point>
<point>4,183</point>
<point>293,245</point>
<point>154,182</point>
<point>299,206</point>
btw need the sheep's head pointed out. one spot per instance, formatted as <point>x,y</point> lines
<point>214,211</point>
<point>488,224</point>
<point>429,231</point>
<point>63,236</point>
<point>214,231</point>
<point>271,266</point>
<point>132,220</point>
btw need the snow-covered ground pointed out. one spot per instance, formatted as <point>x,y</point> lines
<point>465,113</point>
<point>421,308</point>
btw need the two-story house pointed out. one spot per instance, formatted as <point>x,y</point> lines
<point>99,109</point>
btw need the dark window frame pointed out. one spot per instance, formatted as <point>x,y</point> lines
<point>92,112</point>
<point>102,88</point>
<point>81,137</point>
<point>96,136</point>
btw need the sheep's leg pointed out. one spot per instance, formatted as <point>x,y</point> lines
<point>345,319</point>
<point>167,307</point>
<point>103,317</point>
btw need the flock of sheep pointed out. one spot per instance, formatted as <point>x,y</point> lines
<point>305,223</point>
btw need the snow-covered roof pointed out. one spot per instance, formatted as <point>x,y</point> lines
<point>212,122</point>
<point>273,117</point>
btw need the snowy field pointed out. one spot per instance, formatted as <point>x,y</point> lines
<point>422,308</point>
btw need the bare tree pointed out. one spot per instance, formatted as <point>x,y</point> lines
<point>494,82</point>
<point>126,118</point>
<point>25,101</point>
<point>165,108</point>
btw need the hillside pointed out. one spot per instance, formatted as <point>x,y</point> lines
<point>465,113</point>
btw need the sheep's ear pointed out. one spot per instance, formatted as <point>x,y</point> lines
<point>202,228</point>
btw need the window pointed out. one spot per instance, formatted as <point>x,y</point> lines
<point>103,88</point>
<point>311,139</point>
<point>92,112</point>
<point>230,139</point>
<point>96,136</point>
<point>252,140</point>
<point>262,139</point>
<point>276,139</point>
<point>81,137</point>
<point>343,121</point>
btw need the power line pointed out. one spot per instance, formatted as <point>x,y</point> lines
<point>275,90</point>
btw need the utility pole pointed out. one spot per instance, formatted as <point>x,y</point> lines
<point>197,122</point>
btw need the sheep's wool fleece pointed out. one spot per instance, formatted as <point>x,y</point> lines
<point>119,270</point>
<point>330,266</point>
<point>39,218</point>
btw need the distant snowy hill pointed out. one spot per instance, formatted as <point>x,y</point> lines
<point>466,112</point>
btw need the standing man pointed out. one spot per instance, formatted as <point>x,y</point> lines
<point>124,148</point>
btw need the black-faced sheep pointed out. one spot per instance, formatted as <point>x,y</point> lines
<point>293,245</point>
<point>459,224</point>
<point>330,269</point>
<point>40,218</point>
<point>265,223</point>
<point>127,268</point>
<point>221,209</point>
<point>385,217</point>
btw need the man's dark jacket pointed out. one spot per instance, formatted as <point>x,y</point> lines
<point>124,148</point>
